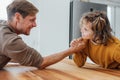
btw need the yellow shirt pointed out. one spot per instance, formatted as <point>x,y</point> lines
<point>106,56</point>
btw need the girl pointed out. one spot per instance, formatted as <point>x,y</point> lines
<point>101,46</point>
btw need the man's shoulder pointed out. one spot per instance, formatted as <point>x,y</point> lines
<point>4,28</point>
<point>6,33</point>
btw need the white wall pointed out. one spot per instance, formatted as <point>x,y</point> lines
<point>117,18</point>
<point>114,17</point>
<point>3,5</point>
<point>52,32</point>
<point>54,26</point>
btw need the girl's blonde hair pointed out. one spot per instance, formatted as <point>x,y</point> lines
<point>100,26</point>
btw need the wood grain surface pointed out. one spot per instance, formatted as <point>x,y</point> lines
<point>63,70</point>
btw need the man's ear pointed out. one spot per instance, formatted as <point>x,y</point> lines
<point>18,16</point>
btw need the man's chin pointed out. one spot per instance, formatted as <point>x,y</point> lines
<point>26,33</point>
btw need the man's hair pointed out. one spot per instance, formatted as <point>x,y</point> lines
<point>23,7</point>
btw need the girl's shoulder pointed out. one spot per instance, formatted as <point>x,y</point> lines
<point>116,40</point>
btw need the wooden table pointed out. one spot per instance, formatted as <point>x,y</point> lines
<point>63,70</point>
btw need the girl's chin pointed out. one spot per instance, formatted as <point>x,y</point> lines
<point>83,37</point>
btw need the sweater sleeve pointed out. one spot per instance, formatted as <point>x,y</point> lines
<point>17,50</point>
<point>79,58</point>
<point>117,54</point>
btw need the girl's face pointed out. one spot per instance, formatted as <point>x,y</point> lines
<point>86,30</point>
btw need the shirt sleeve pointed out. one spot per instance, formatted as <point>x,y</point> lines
<point>79,58</point>
<point>16,49</point>
<point>117,54</point>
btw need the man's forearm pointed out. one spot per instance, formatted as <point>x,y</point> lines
<point>51,59</point>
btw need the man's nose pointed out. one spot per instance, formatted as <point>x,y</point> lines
<point>34,24</point>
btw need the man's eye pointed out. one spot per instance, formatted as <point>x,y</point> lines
<point>32,20</point>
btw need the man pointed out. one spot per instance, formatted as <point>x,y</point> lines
<point>21,19</point>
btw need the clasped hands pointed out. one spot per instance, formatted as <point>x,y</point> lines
<point>78,44</point>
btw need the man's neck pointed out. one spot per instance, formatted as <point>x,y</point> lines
<point>13,26</point>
